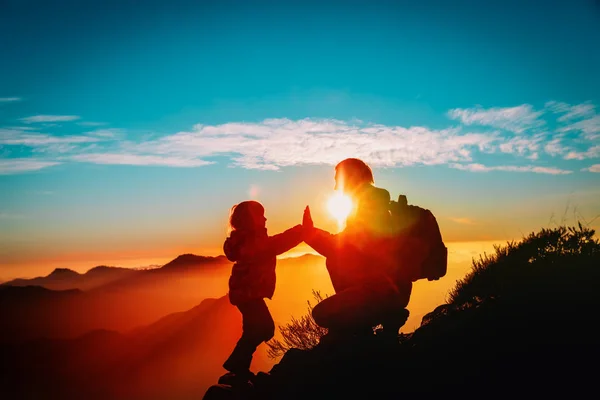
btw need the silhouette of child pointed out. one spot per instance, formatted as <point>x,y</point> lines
<point>253,279</point>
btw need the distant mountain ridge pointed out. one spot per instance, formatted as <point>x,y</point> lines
<point>65,278</point>
<point>60,272</point>
<point>187,261</point>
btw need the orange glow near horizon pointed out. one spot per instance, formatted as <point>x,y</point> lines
<point>83,262</point>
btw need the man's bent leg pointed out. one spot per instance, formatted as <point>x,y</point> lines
<point>392,321</point>
<point>350,311</point>
<point>393,310</point>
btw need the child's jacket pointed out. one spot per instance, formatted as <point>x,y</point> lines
<point>254,253</point>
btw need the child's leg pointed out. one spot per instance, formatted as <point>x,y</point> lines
<point>257,327</point>
<point>264,327</point>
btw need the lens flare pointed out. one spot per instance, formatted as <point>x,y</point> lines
<point>339,206</point>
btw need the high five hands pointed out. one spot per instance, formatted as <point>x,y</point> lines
<point>307,222</point>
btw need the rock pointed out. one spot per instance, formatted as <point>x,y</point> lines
<point>227,392</point>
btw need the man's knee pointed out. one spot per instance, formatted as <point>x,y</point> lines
<point>269,330</point>
<point>319,315</point>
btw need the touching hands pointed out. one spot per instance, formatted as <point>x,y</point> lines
<point>307,221</point>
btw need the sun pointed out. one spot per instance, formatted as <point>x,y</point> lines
<point>339,206</point>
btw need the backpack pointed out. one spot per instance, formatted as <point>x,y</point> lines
<point>420,252</point>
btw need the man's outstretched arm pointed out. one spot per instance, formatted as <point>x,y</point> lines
<point>321,241</point>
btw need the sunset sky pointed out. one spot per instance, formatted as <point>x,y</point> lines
<point>128,129</point>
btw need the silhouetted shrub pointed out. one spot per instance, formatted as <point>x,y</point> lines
<point>303,333</point>
<point>547,257</point>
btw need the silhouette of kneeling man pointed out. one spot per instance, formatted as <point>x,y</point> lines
<point>359,263</point>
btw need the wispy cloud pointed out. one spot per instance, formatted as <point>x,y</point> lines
<point>462,221</point>
<point>516,119</point>
<point>276,143</point>
<point>475,167</point>
<point>555,147</point>
<point>17,165</point>
<point>593,168</point>
<point>18,128</point>
<point>9,99</point>
<point>49,118</point>
<point>106,133</point>
<point>589,128</point>
<point>18,137</point>
<point>91,123</point>
<point>56,148</point>
<point>569,111</point>
<point>580,118</point>
<point>479,144</point>
<point>136,159</point>
<point>592,152</point>
<point>523,145</point>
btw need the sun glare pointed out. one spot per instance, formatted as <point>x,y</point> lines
<point>339,206</point>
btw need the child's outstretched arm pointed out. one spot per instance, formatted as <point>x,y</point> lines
<point>291,238</point>
<point>284,241</point>
<point>273,245</point>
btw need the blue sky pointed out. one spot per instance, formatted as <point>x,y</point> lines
<point>130,128</point>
